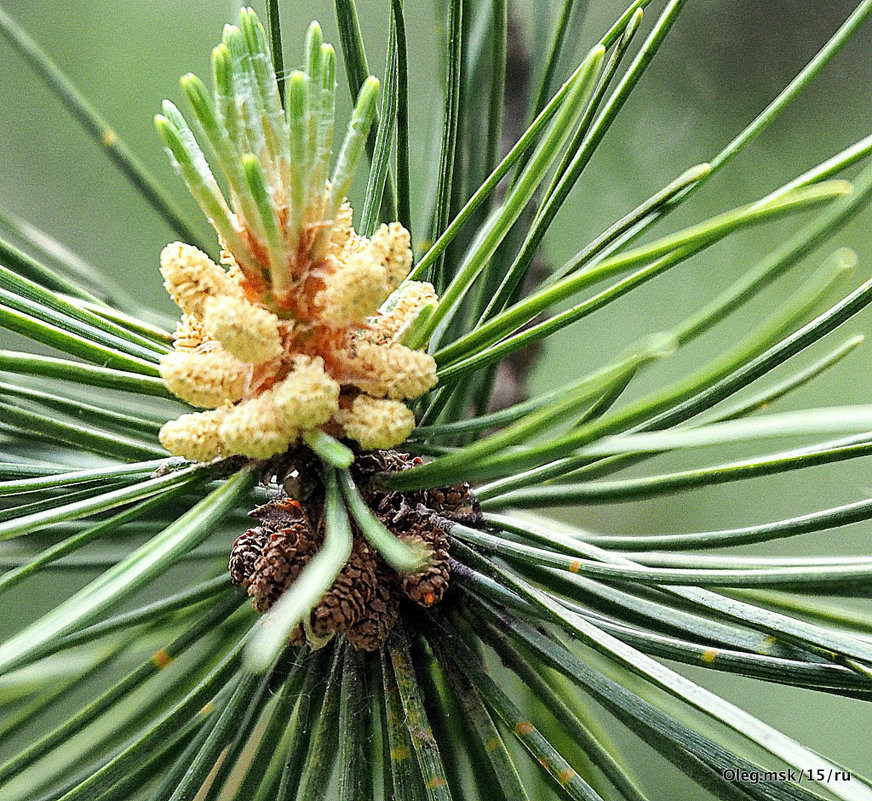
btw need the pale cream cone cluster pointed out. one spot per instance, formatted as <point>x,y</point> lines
<point>322,355</point>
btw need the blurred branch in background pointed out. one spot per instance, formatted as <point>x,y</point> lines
<point>510,386</point>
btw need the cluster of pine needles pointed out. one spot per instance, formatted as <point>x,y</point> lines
<point>157,680</point>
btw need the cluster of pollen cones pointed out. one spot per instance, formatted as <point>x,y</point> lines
<point>325,352</point>
<point>364,601</point>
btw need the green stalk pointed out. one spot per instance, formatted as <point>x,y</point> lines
<point>185,602</point>
<point>811,573</point>
<point>313,50</point>
<point>65,477</point>
<point>275,36</point>
<point>314,54</point>
<point>203,723</point>
<point>415,715</point>
<point>148,561</point>
<point>87,374</point>
<point>627,223</point>
<point>700,757</point>
<point>501,221</point>
<point>188,159</point>
<point>771,112</point>
<point>608,74</point>
<point>556,198</point>
<point>499,172</point>
<point>262,769</point>
<point>772,329</point>
<point>225,100</point>
<point>826,169</point>
<point>27,267</point>
<point>357,73</point>
<point>71,544</point>
<point>479,720</point>
<point>790,345</point>
<point>811,637</point>
<point>450,129</point>
<point>804,77</point>
<point>561,30</point>
<point>375,185</point>
<point>96,415</point>
<point>714,707</point>
<point>655,611</point>
<point>285,776</point>
<point>708,396</point>
<point>325,113</point>
<point>352,148</point>
<point>597,468</point>
<point>152,766</point>
<point>27,712</point>
<point>681,244</point>
<point>47,502</point>
<point>21,468</point>
<point>275,128</point>
<point>803,524</point>
<point>317,765</point>
<point>353,51</point>
<point>500,494</point>
<point>224,149</point>
<point>85,345</point>
<point>269,223</point>
<point>614,384</point>
<point>298,125</point>
<point>204,762</point>
<point>29,298</point>
<point>94,440</point>
<point>307,590</point>
<point>527,734</point>
<point>156,333</point>
<point>565,406</point>
<point>588,741</point>
<point>832,420</point>
<point>354,723</point>
<point>119,691</point>
<point>110,773</point>
<point>400,756</point>
<point>401,556</point>
<point>329,449</point>
<point>752,370</point>
<point>510,462</point>
<point>404,203</point>
<point>249,104</point>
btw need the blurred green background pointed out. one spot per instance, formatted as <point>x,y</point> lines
<point>722,63</point>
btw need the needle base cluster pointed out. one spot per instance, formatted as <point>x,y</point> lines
<point>365,601</point>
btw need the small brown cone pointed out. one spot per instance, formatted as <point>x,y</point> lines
<point>372,628</point>
<point>247,549</point>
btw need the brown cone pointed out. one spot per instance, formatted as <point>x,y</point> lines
<point>428,587</point>
<point>268,558</point>
<point>372,628</point>
<point>246,550</point>
<point>347,599</point>
<point>285,554</point>
<point>456,503</point>
<point>365,598</point>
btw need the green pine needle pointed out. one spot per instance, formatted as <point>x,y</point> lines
<point>144,673</point>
